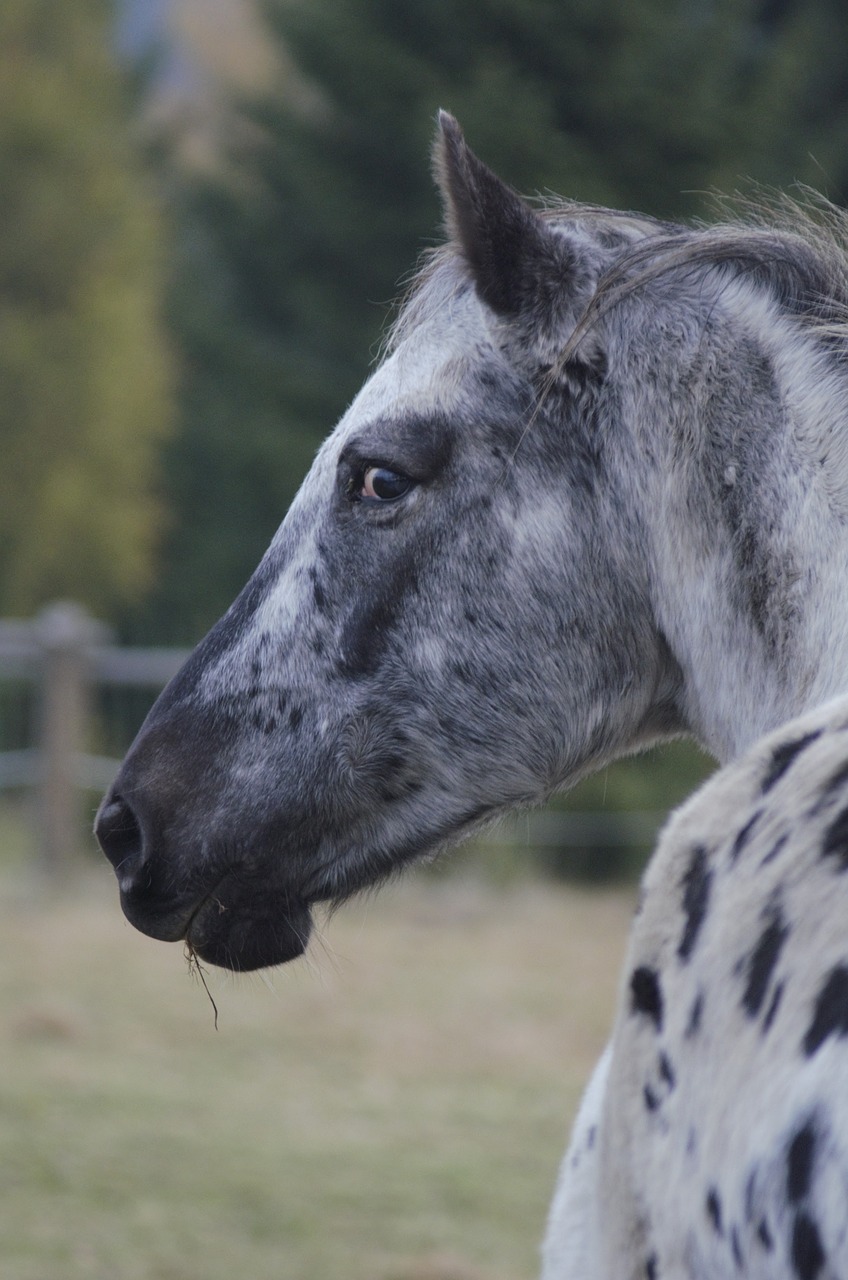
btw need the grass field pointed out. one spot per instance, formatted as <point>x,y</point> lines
<point>392,1109</point>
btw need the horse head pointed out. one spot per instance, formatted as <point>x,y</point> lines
<point>453,619</point>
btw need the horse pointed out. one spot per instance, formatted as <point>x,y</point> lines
<point>593,496</point>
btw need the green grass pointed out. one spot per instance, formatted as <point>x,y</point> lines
<point>392,1109</point>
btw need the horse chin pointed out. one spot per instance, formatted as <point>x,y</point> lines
<point>249,935</point>
<point>231,927</point>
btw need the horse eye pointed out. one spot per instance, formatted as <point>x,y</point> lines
<point>379,484</point>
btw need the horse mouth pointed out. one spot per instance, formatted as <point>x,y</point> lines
<point>232,927</point>
<point>242,937</point>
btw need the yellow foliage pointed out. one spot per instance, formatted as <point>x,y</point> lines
<point>84,379</point>
<point>228,40</point>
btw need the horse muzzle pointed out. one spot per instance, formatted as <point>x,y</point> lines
<point>226,915</point>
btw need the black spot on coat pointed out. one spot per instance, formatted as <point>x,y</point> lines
<point>696,1014</point>
<point>774,1005</point>
<point>775,850</point>
<point>830,1016</point>
<point>807,1251</point>
<point>836,841</point>
<point>646,994</point>
<point>783,756</point>
<point>764,1236</point>
<point>666,1071</point>
<point>762,963</point>
<point>799,1163</point>
<point>744,836</point>
<point>835,782</point>
<point>696,884</point>
<point>714,1211</point>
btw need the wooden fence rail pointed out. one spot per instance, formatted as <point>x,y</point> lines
<point>66,654</point>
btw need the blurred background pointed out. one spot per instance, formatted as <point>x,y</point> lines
<point>206,210</point>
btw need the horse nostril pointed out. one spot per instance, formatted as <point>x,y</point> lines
<point>119,835</point>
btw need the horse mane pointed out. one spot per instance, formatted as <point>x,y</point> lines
<point>797,249</point>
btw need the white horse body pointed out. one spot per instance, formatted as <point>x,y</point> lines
<point>574,1240</point>
<point>713,1140</point>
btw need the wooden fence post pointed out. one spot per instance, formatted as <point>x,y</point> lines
<point>65,634</point>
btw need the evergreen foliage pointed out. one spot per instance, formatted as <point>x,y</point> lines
<point>283,288</point>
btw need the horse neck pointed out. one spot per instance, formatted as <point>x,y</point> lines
<point>751,543</point>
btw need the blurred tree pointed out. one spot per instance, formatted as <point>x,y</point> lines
<point>83,364</point>
<point>284,274</point>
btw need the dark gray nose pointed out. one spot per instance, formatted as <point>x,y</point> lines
<point>149,899</point>
<point>120,837</point>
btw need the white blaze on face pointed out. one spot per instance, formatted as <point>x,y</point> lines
<point>424,375</point>
<point>425,372</point>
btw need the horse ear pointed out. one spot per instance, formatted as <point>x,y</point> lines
<point>505,243</point>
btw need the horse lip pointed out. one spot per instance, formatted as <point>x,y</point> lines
<point>252,934</point>
<point>163,921</point>
<point>227,925</point>
<point>208,900</point>
<point>165,925</point>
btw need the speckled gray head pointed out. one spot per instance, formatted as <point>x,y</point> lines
<point>476,595</point>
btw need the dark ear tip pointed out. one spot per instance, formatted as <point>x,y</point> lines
<point>491,226</point>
